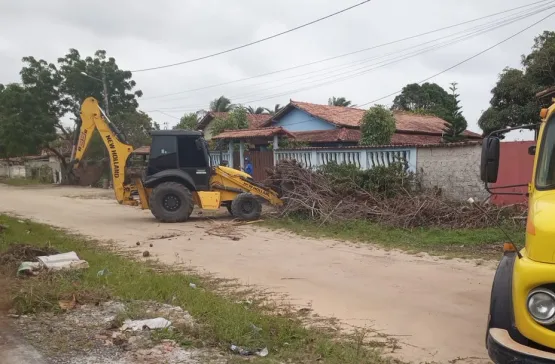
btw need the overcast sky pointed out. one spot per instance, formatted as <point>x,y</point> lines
<point>141,34</point>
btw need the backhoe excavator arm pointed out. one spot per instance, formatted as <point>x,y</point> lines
<point>93,118</point>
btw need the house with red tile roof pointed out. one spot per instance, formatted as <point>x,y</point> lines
<point>334,126</point>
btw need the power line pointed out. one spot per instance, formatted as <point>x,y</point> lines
<point>349,53</point>
<point>350,73</point>
<point>457,64</point>
<point>467,59</point>
<point>255,42</point>
<point>164,113</point>
<point>363,70</point>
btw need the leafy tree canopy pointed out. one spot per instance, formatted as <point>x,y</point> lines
<point>339,101</point>
<point>377,126</point>
<point>187,121</point>
<point>59,89</point>
<point>513,101</point>
<point>277,108</point>
<point>26,122</point>
<point>221,104</point>
<point>236,119</point>
<point>136,126</point>
<point>429,98</point>
<point>258,110</point>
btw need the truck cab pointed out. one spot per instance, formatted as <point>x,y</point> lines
<point>521,321</point>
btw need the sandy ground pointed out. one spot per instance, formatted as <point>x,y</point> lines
<point>436,308</point>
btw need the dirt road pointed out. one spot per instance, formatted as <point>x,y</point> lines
<point>437,308</point>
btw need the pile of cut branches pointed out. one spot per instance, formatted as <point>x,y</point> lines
<point>325,198</point>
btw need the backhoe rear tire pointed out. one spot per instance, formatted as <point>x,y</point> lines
<point>246,207</point>
<point>171,202</point>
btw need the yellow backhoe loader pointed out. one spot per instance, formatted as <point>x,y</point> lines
<point>521,320</point>
<point>178,175</point>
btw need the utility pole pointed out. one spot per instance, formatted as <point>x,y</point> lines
<point>105,88</point>
<point>105,85</point>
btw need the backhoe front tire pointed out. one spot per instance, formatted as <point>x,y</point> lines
<point>246,207</point>
<point>171,202</point>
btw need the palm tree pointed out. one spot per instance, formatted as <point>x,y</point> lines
<point>258,110</point>
<point>277,108</point>
<point>221,104</point>
<point>339,101</point>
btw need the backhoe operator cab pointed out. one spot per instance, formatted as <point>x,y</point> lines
<point>521,320</point>
<point>178,166</point>
<point>178,176</point>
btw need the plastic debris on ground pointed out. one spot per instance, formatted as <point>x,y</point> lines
<point>103,272</point>
<point>28,268</point>
<point>53,262</point>
<point>248,352</point>
<point>192,285</point>
<point>256,328</point>
<point>150,324</point>
<point>68,260</point>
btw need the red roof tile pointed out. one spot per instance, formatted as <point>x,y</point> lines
<point>252,133</point>
<point>431,145</point>
<point>351,117</point>
<point>353,136</point>
<point>254,120</point>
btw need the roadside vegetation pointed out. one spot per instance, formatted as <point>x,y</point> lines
<point>18,181</point>
<point>225,317</point>
<point>484,243</point>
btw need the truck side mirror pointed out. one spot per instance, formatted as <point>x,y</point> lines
<point>489,166</point>
<point>532,150</point>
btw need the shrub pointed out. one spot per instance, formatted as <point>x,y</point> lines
<point>377,126</point>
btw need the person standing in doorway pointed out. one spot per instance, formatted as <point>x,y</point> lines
<point>248,166</point>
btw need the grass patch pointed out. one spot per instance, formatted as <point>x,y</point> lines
<point>462,243</point>
<point>221,321</point>
<point>18,181</point>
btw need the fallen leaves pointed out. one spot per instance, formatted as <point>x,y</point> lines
<point>67,305</point>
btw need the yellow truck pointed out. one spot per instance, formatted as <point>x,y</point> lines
<point>521,320</point>
<point>178,176</point>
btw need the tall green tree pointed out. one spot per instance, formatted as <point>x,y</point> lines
<point>187,121</point>
<point>258,110</point>
<point>221,104</point>
<point>64,86</point>
<point>76,86</point>
<point>377,126</point>
<point>455,122</point>
<point>339,101</point>
<point>26,122</point>
<point>513,101</point>
<point>427,98</point>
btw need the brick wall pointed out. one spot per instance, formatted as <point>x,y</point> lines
<point>455,170</point>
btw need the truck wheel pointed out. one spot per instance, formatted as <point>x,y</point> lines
<point>171,202</point>
<point>246,207</point>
